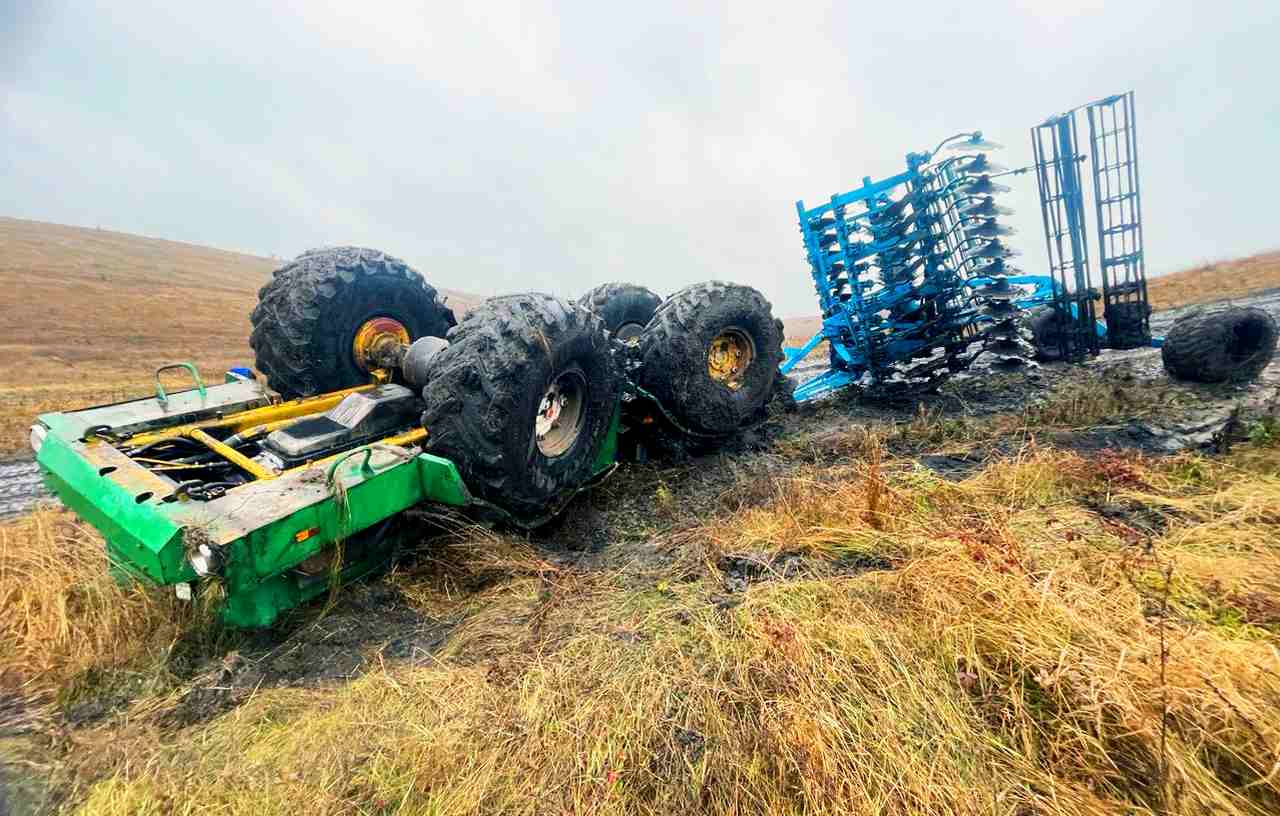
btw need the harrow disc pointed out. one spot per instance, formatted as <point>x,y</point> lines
<point>998,289</point>
<point>988,229</point>
<point>992,267</point>
<point>981,164</point>
<point>994,249</point>
<point>1000,307</point>
<point>986,207</point>
<point>981,185</point>
<point>975,142</point>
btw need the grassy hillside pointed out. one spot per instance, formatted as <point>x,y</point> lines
<point>86,315</point>
<point>1215,281</point>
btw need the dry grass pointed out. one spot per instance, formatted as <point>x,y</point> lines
<point>1215,281</point>
<point>1009,662</point>
<point>63,613</point>
<point>1201,284</point>
<point>87,315</point>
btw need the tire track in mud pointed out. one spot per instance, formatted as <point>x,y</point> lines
<point>21,486</point>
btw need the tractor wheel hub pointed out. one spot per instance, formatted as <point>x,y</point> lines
<point>729,356</point>
<point>376,336</point>
<point>561,413</point>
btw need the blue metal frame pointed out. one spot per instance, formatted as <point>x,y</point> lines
<point>1113,154</point>
<point>910,273</point>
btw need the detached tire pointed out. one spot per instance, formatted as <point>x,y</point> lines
<point>1045,333</point>
<point>308,314</point>
<point>1217,345</point>
<point>488,408</point>
<point>625,309</point>
<point>710,356</point>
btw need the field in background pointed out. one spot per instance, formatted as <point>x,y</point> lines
<point>1199,284</point>
<point>86,315</point>
<point>1215,281</point>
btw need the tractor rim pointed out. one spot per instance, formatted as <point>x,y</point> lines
<point>374,334</point>
<point>561,413</point>
<point>729,356</point>
<point>629,333</point>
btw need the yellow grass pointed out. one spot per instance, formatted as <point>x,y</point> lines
<point>1012,650</point>
<point>63,615</point>
<point>1011,663</point>
<point>1215,281</point>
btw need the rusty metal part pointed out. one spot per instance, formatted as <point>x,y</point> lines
<point>729,356</point>
<point>380,343</point>
<point>319,564</point>
<point>629,334</point>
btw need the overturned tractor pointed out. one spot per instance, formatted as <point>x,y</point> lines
<point>377,400</point>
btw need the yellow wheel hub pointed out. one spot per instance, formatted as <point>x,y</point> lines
<point>729,357</point>
<point>376,334</point>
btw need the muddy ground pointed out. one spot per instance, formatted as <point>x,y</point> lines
<point>632,525</point>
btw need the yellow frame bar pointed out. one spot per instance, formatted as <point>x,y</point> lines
<point>269,418</point>
<point>254,417</point>
<point>232,455</point>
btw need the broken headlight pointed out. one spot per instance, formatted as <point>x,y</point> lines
<point>38,433</point>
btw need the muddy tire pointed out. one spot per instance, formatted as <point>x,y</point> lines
<point>1045,333</point>
<point>1127,325</point>
<point>1219,345</point>
<point>486,400</point>
<point>625,308</point>
<point>307,316</point>
<point>710,356</point>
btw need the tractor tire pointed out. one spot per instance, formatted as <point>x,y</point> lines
<point>1045,331</point>
<point>710,356</point>
<point>307,316</point>
<point>487,400</point>
<point>1220,344</point>
<point>625,309</point>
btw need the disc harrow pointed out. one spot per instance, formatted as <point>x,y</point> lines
<point>915,278</point>
<point>913,275</point>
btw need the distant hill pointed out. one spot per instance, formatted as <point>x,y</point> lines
<point>1215,281</point>
<point>86,315</point>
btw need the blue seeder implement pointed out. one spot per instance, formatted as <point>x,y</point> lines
<point>913,275</point>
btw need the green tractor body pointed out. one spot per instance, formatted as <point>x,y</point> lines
<point>261,531</point>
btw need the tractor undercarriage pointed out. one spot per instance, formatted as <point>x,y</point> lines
<point>270,493</point>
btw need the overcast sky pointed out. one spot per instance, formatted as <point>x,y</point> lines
<point>505,146</point>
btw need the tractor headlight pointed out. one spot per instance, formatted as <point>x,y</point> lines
<point>205,561</point>
<point>38,433</point>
